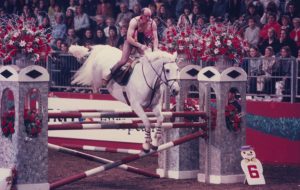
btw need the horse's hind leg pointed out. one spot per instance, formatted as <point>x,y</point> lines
<point>142,115</point>
<point>160,119</point>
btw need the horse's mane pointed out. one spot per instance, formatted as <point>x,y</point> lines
<point>152,56</point>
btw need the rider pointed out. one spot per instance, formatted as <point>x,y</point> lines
<point>142,32</point>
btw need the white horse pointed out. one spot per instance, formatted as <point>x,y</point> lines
<point>144,86</point>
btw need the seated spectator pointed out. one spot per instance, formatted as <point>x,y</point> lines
<point>163,13</point>
<point>100,37</point>
<point>37,14</point>
<point>99,22</point>
<point>160,27</point>
<point>295,33</point>
<point>88,38</point>
<point>252,13</point>
<point>253,66</point>
<point>124,14</point>
<point>72,5</point>
<point>251,34</point>
<point>81,22</point>
<point>136,10</point>
<point>27,13</point>
<point>264,80</point>
<point>291,11</point>
<point>56,46</point>
<point>71,39</point>
<point>271,9</point>
<point>200,23</point>
<point>46,25</point>
<point>272,23</point>
<point>220,8</point>
<point>109,22</point>
<point>113,37</point>
<point>69,19</point>
<point>185,18</point>
<point>284,65</point>
<point>59,29</point>
<point>272,41</point>
<point>285,40</point>
<point>122,37</point>
<point>286,23</point>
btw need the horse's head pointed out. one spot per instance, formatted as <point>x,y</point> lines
<point>167,70</point>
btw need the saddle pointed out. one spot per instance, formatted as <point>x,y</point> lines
<point>122,75</point>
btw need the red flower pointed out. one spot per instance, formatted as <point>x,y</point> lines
<point>5,130</point>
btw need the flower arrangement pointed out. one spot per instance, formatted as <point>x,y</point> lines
<point>18,35</point>
<point>32,122</point>
<point>233,118</point>
<point>8,123</point>
<point>205,43</point>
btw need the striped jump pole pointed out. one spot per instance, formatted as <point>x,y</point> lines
<point>122,114</point>
<point>101,160</point>
<point>124,125</point>
<point>125,160</point>
<point>101,149</point>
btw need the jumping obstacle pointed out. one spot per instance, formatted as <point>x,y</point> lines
<point>101,149</point>
<point>122,114</point>
<point>125,160</point>
<point>101,160</point>
<point>129,125</point>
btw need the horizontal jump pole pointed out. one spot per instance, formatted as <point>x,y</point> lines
<point>125,160</point>
<point>97,159</point>
<point>101,149</point>
<point>124,125</point>
<point>121,114</point>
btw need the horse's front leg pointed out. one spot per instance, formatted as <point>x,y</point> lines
<point>137,108</point>
<point>160,119</point>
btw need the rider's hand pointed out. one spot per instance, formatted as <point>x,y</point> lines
<point>144,47</point>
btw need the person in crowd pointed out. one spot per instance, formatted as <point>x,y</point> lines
<point>272,41</point>
<point>88,38</point>
<point>125,14</point>
<point>253,67</point>
<point>51,8</point>
<point>252,13</point>
<point>122,37</point>
<point>69,18</point>
<point>131,4</point>
<point>99,22</point>
<point>196,13</point>
<point>106,7</point>
<point>206,7</point>
<point>272,23</point>
<point>271,9</point>
<point>264,80</point>
<point>37,14</point>
<point>100,37</point>
<point>56,46</point>
<point>291,11</point>
<point>71,38</point>
<point>286,23</point>
<point>142,32</point>
<point>185,18</point>
<point>284,70</point>
<point>136,10</point>
<point>109,22</point>
<point>251,34</point>
<point>200,23</point>
<point>295,33</point>
<point>59,30</point>
<point>42,5</point>
<point>113,37</point>
<point>163,13</point>
<point>171,7</point>
<point>27,14</point>
<point>81,22</point>
<point>72,5</point>
<point>161,26</point>
<point>46,25</point>
<point>153,8</point>
<point>285,40</point>
<point>234,9</point>
<point>220,8</point>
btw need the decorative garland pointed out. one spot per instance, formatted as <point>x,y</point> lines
<point>8,123</point>
<point>233,116</point>
<point>32,122</point>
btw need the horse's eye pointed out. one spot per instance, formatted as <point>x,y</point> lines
<point>167,70</point>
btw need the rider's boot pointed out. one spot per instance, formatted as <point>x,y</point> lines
<point>147,144</point>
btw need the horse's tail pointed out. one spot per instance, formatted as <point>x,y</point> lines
<point>78,51</point>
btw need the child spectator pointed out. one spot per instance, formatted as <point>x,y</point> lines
<point>252,32</point>
<point>100,37</point>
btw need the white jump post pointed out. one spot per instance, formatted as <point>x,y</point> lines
<point>24,90</point>
<point>220,155</point>
<point>181,162</point>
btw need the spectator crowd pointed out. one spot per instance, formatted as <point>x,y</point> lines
<point>271,27</point>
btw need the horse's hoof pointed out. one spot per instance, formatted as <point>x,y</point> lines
<point>146,151</point>
<point>146,147</point>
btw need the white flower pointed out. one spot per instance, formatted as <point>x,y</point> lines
<point>11,42</point>
<point>180,48</point>
<point>231,36</point>
<point>30,50</point>
<point>16,34</point>
<point>22,43</point>
<point>216,51</point>
<point>229,42</point>
<point>217,43</point>
<point>187,39</point>
<point>207,43</point>
<point>191,46</point>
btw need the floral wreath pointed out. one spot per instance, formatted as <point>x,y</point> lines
<point>8,123</point>
<point>33,122</point>
<point>189,105</point>
<point>233,118</point>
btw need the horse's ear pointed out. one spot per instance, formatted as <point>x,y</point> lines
<point>174,55</point>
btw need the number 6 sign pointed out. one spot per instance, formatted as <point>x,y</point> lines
<point>251,166</point>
